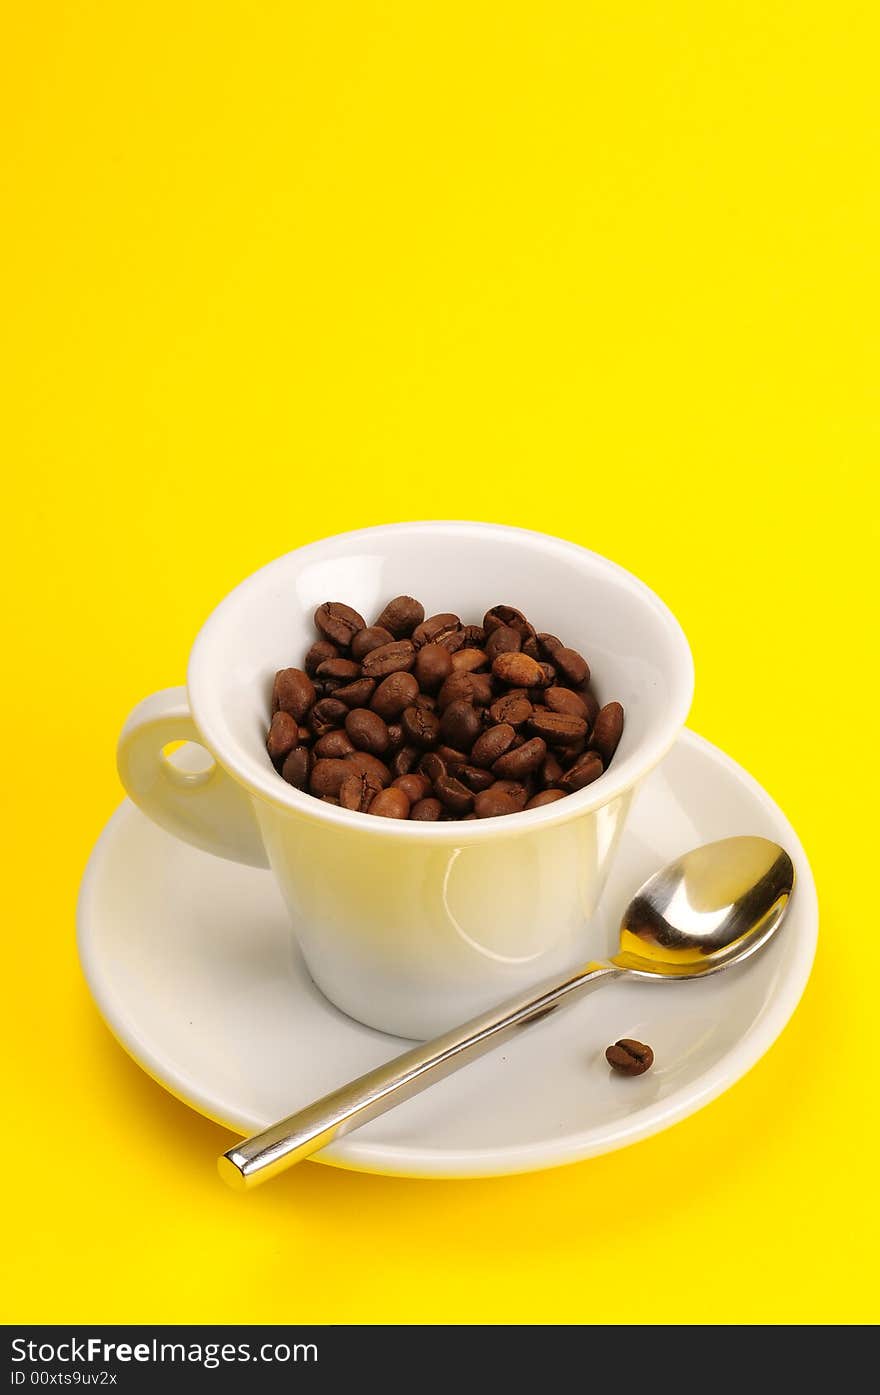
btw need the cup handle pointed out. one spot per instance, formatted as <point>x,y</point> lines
<point>204,807</point>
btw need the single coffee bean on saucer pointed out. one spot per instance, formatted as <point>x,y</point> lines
<point>629,1057</point>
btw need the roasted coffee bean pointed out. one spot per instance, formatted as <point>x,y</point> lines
<point>327,714</point>
<point>607,731</point>
<point>358,791</point>
<point>396,738</point>
<point>454,794</point>
<point>551,771</point>
<point>483,690</point>
<point>305,735</point>
<point>401,616</point>
<point>367,730</point>
<point>629,1057</point>
<point>570,752</point>
<point>557,727</point>
<point>510,616</point>
<point>328,799</point>
<point>515,788</point>
<point>426,702</point>
<point>327,776</point>
<point>283,736</point>
<point>414,786</point>
<point>433,666</point>
<point>371,765</point>
<point>549,678</point>
<point>503,640</point>
<point>452,758</point>
<point>391,804</point>
<point>452,640</point>
<point>433,766</point>
<point>344,670</point>
<point>476,688</point>
<point>365,641</point>
<point>591,702</point>
<point>492,744</point>
<point>572,665</point>
<point>531,647</point>
<point>321,649</point>
<point>426,810</point>
<point>521,761</point>
<point>513,708</point>
<point>334,745</point>
<point>585,770</point>
<point>460,725</point>
<point>389,658</point>
<point>564,700</point>
<point>430,630</point>
<point>538,801</point>
<point>469,660</point>
<point>495,802</point>
<point>518,670</point>
<point>394,693</point>
<point>297,766</point>
<point>475,777</point>
<point>420,727</point>
<point>356,694</point>
<point>547,645</point>
<point>536,695</point>
<point>326,687</point>
<point>459,687</point>
<point>474,636</point>
<point>293,692</point>
<point>338,622</point>
<point>405,760</point>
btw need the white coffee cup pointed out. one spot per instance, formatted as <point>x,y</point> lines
<point>414,927</point>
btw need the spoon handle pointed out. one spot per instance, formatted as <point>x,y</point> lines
<point>257,1159</point>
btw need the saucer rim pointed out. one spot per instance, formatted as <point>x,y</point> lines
<point>361,1155</point>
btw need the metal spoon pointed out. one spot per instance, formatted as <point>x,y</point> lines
<point>708,910</point>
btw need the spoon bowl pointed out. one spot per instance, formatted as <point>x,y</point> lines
<point>707,910</point>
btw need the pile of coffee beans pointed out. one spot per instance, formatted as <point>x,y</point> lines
<point>434,719</point>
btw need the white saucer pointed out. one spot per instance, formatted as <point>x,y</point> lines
<point>191,962</point>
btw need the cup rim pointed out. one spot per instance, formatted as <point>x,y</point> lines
<point>621,777</point>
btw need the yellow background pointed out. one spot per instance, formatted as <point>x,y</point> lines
<point>275,270</point>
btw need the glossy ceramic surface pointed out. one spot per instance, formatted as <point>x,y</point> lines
<point>191,962</point>
<point>410,927</point>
